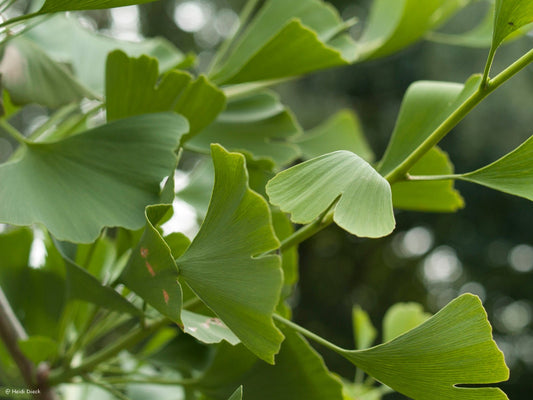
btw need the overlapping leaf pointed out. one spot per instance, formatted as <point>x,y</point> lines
<point>309,189</point>
<point>454,347</point>
<point>30,76</point>
<point>224,264</point>
<point>133,88</point>
<point>364,332</point>
<point>401,318</point>
<point>115,169</point>
<point>309,28</point>
<point>207,329</point>
<point>237,395</point>
<point>52,6</point>
<point>511,15</point>
<point>257,124</point>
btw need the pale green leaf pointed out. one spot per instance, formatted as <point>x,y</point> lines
<point>342,131</point>
<point>425,107</point>
<point>454,347</point>
<point>225,265</point>
<point>30,76</point>
<point>309,189</point>
<point>151,271</point>
<point>401,318</point>
<point>38,348</point>
<point>364,332</point>
<point>237,395</point>
<point>207,329</point>
<point>433,196</point>
<point>510,174</point>
<point>257,124</point>
<point>311,29</point>
<point>52,6</point>
<point>60,37</point>
<point>115,169</point>
<point>133,87</point>
<point>511,15</point>
<point>395,24</point>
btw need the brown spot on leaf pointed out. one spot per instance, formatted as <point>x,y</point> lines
<point>144,252</point>
<point>149,268</point>
<point>216,321</point>
<point>166,296</point>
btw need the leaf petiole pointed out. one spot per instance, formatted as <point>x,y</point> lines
<point>14,133</point>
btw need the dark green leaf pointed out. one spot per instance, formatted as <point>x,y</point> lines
<point>115,169</point>
<point>38,348</point>
<point>224,264</point>
<point>511,15</point>
<point>52,6</point>
<point>309,189</point>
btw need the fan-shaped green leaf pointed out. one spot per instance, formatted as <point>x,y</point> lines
<point>511,15</point>
<point>439,196</point>
<point>510,174</point>
<point>224,264</point>
<point>30,76</point>
<point>207,329</point>
<point>342,131</point>
<point>401,318</point>
<point>395,24</point>
<point>454,347</point>
<point>151,271</point>
<point>309,189</point>
<point>310,28</point>
<point>364,332</point>
<point>115,169</point>
<point>257,124</point>
<point>425,106</point>
<point>52,6</point>
<point>133,88</point>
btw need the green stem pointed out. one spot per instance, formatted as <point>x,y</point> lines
<point>306,232</point>
<point>488,66</point>
<point>6,4</point>
<point>431,177</point>
<point>14,133</point>
<point>152,381</point>
<point>20,18</point>
<point>53,120</point>
<point>90,363</point>
<point>400,172</point>
<point>107,387</point>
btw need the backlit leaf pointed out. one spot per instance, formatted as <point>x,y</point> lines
<point>224,264</point>
<point>207,329</point>
<point>51,6</point>
<point>511,15</point>
<point>115,169</point>
<point>364,332</point>
<point>401,318</point>
<point>237,395</point>
<point>309,189</point>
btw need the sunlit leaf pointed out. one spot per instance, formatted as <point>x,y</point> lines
<point>51,6</point>
<point>30,76</point>
<point>395,24</point>
<point>309,189</point>
<point>425,106</point>
<point>115,169</point>
<point>454,347</point>
<point>510,174</point>
<point>237,395</point>
<point>133,87</point>
<point>225,265</point>
<point>511,15</point>
<point>311,29</point>
<point>434,196</point>
<point>60,37</point>
<point>401,318</point>
<point>257,124</point>
<point>38,348</point>
<point>364,332</point>
<point>207,329</point>
<point>342,131</point>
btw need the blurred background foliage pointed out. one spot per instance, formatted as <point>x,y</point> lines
<point>485,248</point>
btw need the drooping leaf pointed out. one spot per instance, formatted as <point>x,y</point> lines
<point>133,88</point>
<point>454,347</point>
<point>52,6</point>
<point>309,28</point>
<point>511,15</point>
<point>224,264</point>
<point>434,196</point>
<point>115,169</point>
<point>401,318</point>
<point>237,395</point>
<point>395,24</point>
<point>30,76</point>
<point>60,37</point>
<point>364,332</point>
<point>257,124</point>
<point>151,271</point>
<point>309,189</point>
<point>38,348</point>
<point>342,131</point>
<point>510,174</point>
<point>425,107</point>
<point>207,329</point>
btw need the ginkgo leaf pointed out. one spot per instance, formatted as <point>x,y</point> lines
<point>133,88</point>
<point>342,131</point>
<point>310,28</point>
<point>364,332</point>
<point>510,174</point>
<point>257,124</point>
<point>425,106</point>
<point>433,196</point>
<point>401,318</point>
<point>151,271</point>
<point>207,329</point>
<point>115,169</point>
<point>30,76</point>
<point>225,264</point>
<point>52,6</point>
<point>307,190</point>
<point>452,348</point>
<point>237,395</point>
<point>395,24</point>
<point>511,15</point>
